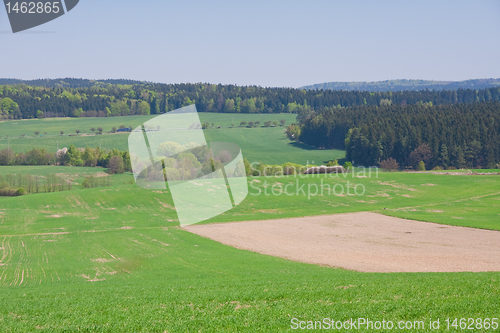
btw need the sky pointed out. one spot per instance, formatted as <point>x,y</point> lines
<point>277,43</point>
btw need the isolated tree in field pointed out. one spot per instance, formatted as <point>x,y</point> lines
<point>36,133</point>
<point>275,123</point>
<point>250,124</point>
<point>61,132</point>
<point>92,129</point>
<point>389,164</point>
<point>282,122</point>
<point>421,166</point>
<point>113,129</point>
<point>115,165</point>
<point>243,123</point>
<point>99,130</point>
<point>77,132</point>
<point>267,123</point>
<point>257,123</point>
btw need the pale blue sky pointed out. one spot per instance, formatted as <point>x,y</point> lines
<point>267,43</point>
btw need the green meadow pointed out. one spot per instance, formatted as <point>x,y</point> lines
<point>261,144</point>
<point>113,259</point>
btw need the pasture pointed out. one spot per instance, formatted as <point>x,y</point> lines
<point>266,144</point>
<point>114,259</point>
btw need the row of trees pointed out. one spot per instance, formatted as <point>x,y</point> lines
<point>459,136</point>
<point>19,184</point>
<point>24,101</point>
<point>115,160</point>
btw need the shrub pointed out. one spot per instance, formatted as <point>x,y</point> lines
<point>267,123</point>
<point>86,183</point>
<point>292,168</point>
<point>115,165</point>
<point>436,168</point>
<point>20,191</point>
<point>451,168</point>
<point>250,124</point>
<point>293,132</point>
<point>421,166</point>
<point>347,165</point>
<point>332,163</point>
<point>243,123</point>
<point>389,164</point>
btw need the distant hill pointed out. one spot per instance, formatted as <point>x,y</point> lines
<point>67,82</point>
<point>402,85</point>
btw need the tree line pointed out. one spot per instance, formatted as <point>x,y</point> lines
<point>445,136</point>
<point>115,160</point>
<point>19,184</point>
<point>102,100</point>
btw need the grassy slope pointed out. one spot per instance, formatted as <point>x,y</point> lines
<point>53,282</point>
<point>268,145</point>
<point>157,277</point>
<point>53,126</point>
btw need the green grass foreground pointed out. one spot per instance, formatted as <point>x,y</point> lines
<point>112,260</point>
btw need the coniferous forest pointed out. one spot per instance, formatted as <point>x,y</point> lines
<point>445,129</point>
<point>84,98</point>
<point>447,136</point>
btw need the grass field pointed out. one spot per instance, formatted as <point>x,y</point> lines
<point>268,145</point>
<point>113,259</point>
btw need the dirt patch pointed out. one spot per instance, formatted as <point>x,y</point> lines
<point>102,260</point>
<point>365,241</point>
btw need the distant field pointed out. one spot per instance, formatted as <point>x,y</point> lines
<point>113,259</point>
<point>45,170</point>
<point>53,126</point>
<point>268,145</point>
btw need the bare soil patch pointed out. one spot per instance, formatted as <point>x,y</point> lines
<point>364,241</point>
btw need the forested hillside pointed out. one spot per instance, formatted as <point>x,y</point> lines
<point>105,99</point>
<point>401,85</point>
<point>460,135</point>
